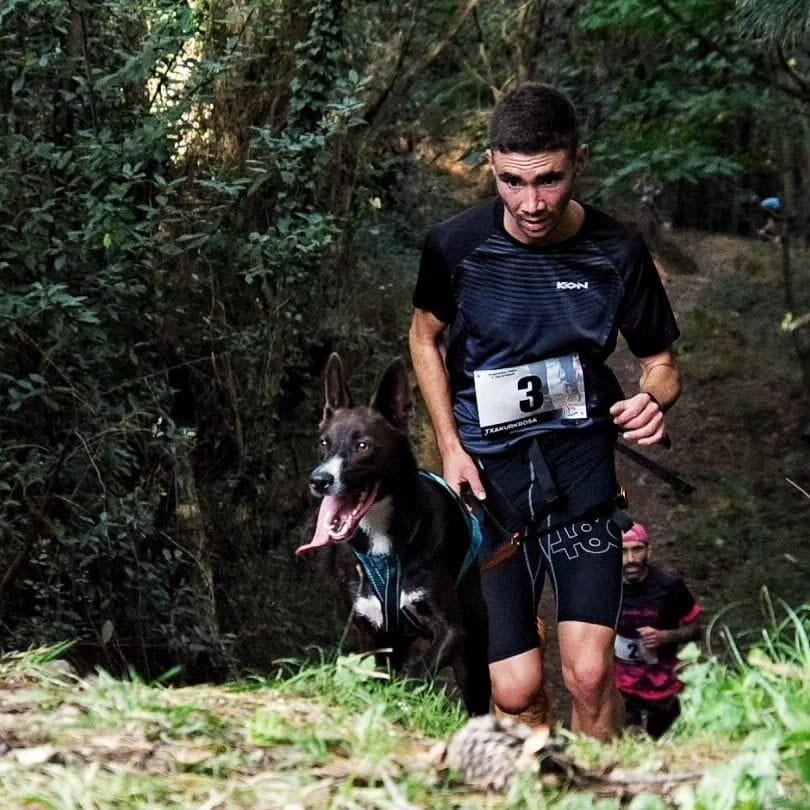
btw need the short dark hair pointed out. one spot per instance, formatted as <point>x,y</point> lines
<point>534,118</point>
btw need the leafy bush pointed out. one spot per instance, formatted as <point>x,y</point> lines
<point>156,323</point>
<point>761,699</point>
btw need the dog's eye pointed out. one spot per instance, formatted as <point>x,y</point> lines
<point>362,446</point>
<point>323,442</point>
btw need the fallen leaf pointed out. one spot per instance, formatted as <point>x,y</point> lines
<point>192,756</point>
<point>34,756</point>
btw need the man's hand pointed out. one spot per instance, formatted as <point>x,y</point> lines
<point>640,419</point>
<point>460,469</point>
<point>652,637</point>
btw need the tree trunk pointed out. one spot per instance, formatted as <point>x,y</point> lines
<point>194,539</point>
<point>799,324</point>
<point>799,332</point>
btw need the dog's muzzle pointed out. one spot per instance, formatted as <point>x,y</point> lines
<point>321,481</point>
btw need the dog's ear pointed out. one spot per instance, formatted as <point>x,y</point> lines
<point>336,393</point>
<point>393,396</point>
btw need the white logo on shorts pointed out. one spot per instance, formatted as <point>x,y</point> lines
<point>579,538</point>
<point>572,285</point>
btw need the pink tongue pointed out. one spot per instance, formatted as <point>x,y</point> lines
<point>338,519</point>
<point>330,505</point>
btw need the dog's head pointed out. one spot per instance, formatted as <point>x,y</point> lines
<point>364,449</point>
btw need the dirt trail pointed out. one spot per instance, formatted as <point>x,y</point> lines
<point>704,445</point>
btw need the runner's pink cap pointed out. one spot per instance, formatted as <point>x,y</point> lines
<point>637,533</point>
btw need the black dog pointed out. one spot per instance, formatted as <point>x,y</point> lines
<point>401,539</point>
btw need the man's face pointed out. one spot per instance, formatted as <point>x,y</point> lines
<point>536,190</point>
<point>634,561</point>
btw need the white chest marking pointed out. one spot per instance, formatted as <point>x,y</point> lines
<point>369,607</point>
<point>408,598</point>
<point>376,524</point>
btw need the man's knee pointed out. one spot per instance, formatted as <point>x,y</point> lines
<point>586,651</point>
<point>588,681</point>
<point>516,698</point>
<point>517,683</point>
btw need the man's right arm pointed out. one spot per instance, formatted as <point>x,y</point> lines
<point>426,340</point>
<point>654,637</point>
<point>679,598</point>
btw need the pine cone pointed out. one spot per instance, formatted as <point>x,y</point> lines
<point>489,751</point>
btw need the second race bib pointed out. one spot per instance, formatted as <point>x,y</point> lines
<point>633,651</point>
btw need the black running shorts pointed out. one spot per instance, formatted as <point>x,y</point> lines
<point>566,492</point>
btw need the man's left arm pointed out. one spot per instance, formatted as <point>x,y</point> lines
<point>641,417</point>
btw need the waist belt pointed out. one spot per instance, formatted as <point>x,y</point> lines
<point>512,542</point>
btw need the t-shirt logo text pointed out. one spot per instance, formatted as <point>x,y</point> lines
<point>572,285</point>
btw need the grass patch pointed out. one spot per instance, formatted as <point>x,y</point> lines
<point>339,734</point>
<point>352,683</point>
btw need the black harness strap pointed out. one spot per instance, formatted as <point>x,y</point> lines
<point>673,479</point>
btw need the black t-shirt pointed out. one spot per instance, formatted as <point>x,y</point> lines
<point>661,600</point>
<point>514,306</point>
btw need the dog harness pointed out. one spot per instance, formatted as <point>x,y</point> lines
<point>384,571</point>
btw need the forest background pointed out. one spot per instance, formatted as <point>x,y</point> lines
<point>200,200</point>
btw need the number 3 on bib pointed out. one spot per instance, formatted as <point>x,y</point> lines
<point>534,388</point>
<point>513,399</point>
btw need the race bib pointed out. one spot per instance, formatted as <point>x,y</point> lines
<point>632,651</point>
<point>512,399</point>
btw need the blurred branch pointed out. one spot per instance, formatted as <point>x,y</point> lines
<point>405,81</point>
<point>799,79</point>
<point>803,491</point>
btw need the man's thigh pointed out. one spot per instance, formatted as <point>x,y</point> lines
<point>584,560</point>
<point>586,647</point>
<point>512,592</point>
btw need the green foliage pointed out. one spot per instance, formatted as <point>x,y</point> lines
<point>684,85</point>
<point>124,249</point>
<point>761,699</point>
<point>78,224</point>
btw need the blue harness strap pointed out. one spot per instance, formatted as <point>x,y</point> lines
<point>473,526</point>
<point>384,571</point>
